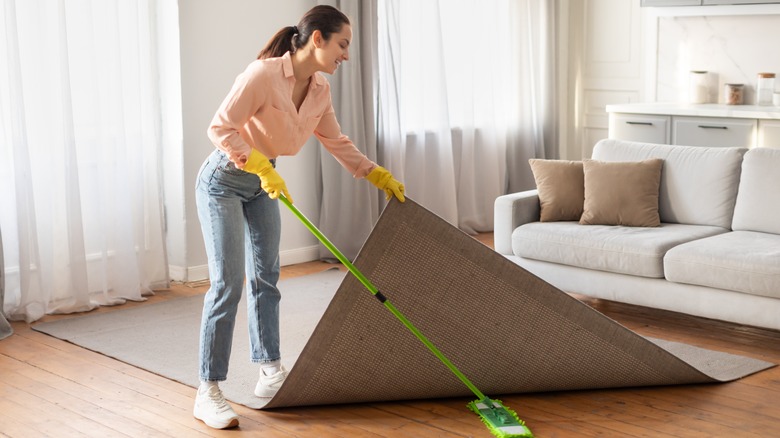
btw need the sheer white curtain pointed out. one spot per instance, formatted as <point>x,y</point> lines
<point>464,100</point>
<point>80,171</point>
<point>5,328</point>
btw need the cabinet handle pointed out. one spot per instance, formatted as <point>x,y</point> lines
<point>713,127</point>
<point>640,123</point>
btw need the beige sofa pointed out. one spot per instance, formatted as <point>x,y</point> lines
<point>715,255</point>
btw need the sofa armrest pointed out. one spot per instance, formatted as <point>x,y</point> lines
<point>511,211</point>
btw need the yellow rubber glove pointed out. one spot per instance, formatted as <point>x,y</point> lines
<point>383,180</point>
<point>270,180</point>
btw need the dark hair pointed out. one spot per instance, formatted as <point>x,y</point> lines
<point>326,19</point>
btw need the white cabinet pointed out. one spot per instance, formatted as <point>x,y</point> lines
<point>769,134</point>
<point>712,125</point>
<point>735,2</point>
<point>644,3</point>
<point>656,3</point>
<point>713,131</point>
<point>640,127</point>
<point>689,131</point>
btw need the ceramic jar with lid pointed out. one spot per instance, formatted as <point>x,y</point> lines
<point>698,89</point>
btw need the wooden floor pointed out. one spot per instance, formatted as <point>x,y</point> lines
<point>52,388</point>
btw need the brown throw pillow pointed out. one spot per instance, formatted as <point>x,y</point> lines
<point>561,189</point>
<point>622,193</point>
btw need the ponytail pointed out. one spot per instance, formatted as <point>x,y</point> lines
<point>326,19</point>
<point>281,43</point>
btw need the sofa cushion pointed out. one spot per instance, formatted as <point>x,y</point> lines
<point>744,261</point>
<point>698,184</point>
<point>560,187</point>
<point>758,199</point>
<point>625,250</point>
<point>622,193</point>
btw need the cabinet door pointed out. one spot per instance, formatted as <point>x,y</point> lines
<point>735,2</point>
<point>639,127</point>
<point>644,3</point>
<point>714,132</point>
<point>769,134</point>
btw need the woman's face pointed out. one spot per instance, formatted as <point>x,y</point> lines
<point>334,51</point>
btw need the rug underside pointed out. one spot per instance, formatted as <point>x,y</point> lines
<point>505,329</point>
<point>508,331</point>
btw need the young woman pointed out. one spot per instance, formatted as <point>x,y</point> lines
<point>273,108</point>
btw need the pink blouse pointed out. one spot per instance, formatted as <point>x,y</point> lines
<point>259,113</point>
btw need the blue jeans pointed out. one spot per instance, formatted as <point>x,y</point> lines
<point>241,228</point>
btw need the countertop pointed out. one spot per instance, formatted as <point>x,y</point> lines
<point>698,110</point>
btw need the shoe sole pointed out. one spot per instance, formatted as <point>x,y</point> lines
<point>228,425</point>
<point>268,393</point>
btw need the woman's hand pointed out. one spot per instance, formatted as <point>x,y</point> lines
<point>270,180</point>
<point>383,180</point>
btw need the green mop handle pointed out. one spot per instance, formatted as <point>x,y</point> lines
<point>359,275</point>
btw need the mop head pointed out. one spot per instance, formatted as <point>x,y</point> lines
<point>502,421</point>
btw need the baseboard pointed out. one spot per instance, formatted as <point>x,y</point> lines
<point>188,274</point>
<point>286,258</point>
<point>299,255</point>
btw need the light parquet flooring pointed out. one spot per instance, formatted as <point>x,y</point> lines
<point>53,388</point>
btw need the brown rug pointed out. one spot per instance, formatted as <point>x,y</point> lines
<point>505,329</point>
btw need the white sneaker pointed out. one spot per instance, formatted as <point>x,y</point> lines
<point>267,386</point>
<point>212,409</point>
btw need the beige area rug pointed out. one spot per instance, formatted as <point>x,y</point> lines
<point>163,337</point>
<point>504,328</point>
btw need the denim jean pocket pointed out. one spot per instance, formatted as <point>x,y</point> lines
<point>229,168</point>
<point>207,169</point>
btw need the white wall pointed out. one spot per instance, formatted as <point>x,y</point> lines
<point>218,39</point>
<point>733,49</point>
<point>605,67</point>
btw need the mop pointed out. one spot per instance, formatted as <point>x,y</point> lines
<point>500,420</point>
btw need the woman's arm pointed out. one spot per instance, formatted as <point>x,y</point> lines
<point>341,147</point>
